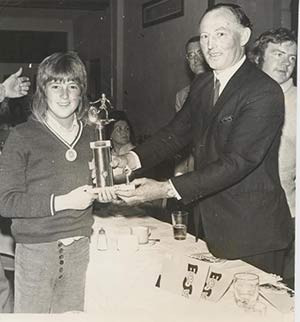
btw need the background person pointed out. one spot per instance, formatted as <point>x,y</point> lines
<point>275,52</point>
<point>233,115</point>
<point>196,64</point>
<point>184,161</point>
<point>121,133</point>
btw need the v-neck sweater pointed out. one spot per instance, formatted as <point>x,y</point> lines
<point>33,168</point>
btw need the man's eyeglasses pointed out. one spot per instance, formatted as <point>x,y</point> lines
<point>193,54</point>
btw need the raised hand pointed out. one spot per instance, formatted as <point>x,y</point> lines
<point>16,85</point>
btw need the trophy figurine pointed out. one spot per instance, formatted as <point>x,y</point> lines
<point>102,147</point>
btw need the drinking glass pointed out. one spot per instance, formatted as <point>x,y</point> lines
<point>179,221</point>
<point>246,290</point>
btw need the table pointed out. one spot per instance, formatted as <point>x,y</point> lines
<point>122,285</point>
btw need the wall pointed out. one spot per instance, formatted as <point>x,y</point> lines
<point>17,19</point>
<point>148,97</point>
<point>88,34</point>
<point>92,40</point>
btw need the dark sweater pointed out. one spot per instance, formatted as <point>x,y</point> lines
<point>32,168</point>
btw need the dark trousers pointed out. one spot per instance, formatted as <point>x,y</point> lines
<point>271,262</point>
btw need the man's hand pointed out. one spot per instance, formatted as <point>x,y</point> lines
<point>145,190</point>
<point>16,85</point>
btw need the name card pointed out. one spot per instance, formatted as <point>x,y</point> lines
<point>194,279</point>
<point>184,276</point>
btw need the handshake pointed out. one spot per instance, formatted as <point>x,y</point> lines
<point>136,192</point>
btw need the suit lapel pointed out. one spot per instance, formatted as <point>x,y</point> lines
<point>230,89</point>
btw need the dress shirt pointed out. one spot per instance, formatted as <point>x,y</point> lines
<point>69,136</point>
<point>224,75</point>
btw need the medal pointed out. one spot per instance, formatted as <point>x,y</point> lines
<point>71,155</point>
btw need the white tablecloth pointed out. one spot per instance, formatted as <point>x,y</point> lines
<point>121,286</point>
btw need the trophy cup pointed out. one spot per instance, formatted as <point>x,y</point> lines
<point>102,147</point>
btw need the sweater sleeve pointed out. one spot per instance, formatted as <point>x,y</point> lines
<point>16,200</point>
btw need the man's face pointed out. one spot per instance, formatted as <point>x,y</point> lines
<point>195,58</point>
<point>222,39</point>
<point>280,60</point>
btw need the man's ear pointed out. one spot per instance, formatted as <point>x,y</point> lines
<point>245,35</point>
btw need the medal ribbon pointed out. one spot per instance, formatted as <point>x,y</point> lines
<point>70,146</point>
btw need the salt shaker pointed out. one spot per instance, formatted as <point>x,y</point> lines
<point>102,240</point>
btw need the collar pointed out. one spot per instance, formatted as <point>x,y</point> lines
<point>69,135</point>
<point>225,75</point>
<point>287,85</point>
<point>54,124</point>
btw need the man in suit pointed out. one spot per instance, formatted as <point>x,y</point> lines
<point>235,186</point>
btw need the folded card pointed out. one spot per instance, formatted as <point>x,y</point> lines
<point>184,276</point>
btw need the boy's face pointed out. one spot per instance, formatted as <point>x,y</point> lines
<point>63,98</point>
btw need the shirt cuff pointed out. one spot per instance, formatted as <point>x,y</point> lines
<point>52,209</point>
<point>177,195</point>
<point>136,160</point>
<point>2,93</point>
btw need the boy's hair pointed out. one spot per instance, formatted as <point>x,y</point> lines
<point>59,67</point>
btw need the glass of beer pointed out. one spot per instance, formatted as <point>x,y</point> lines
<point>179,222</point>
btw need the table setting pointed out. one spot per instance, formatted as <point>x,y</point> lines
<point>145,271</point>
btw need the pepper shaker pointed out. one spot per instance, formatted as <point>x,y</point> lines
<point>102,240</point>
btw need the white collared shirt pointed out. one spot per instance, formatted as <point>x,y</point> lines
<point>225,75</point>
<point>68,135</point>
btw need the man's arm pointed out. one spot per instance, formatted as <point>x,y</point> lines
<point>255,128</point>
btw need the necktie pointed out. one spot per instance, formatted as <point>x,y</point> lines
<point>216,90</point>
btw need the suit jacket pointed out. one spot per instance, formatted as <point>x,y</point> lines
<point>235,187</point>
<point>184,161</point>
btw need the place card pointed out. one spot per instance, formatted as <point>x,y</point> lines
<point>184,276</point>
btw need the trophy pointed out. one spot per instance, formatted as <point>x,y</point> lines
<point>102,147</point>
